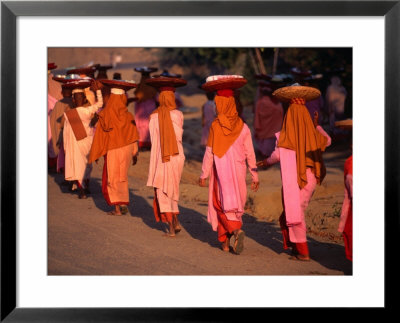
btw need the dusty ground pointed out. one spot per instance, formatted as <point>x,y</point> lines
<point>84,240</point>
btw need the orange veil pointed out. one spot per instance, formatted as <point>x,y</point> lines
<point>116,127</point>
<point>226,127</point>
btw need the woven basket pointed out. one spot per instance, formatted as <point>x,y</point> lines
<point>288,93</point>
<point>344,124</point>
<point>163,81</point>
<point>223,84</point>
<point>118,84</point>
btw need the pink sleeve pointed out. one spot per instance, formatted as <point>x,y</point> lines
<point>275,157</point>
<point>322,132</point>
<point>250,156</point>
<point>207,163</point>
<point>349,185</point>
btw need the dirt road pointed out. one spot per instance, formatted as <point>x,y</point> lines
<point>84,240</point>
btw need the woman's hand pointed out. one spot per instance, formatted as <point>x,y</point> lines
<point>255,186</point>
<point>134,159</point>
<point>202,182</point>
<point>95,85</point>
<point>262,163</point>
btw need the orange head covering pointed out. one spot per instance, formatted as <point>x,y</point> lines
<point>144,91</point>
<point>116,127</point>
<point>169,146</point>
<point>226,127</point>
<point>299,134</point>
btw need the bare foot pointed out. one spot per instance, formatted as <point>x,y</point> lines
<point>114,213</point>
<point>176,224</point>
<point>169,235</point>
<point>300,257</point>
<point>225,245</point>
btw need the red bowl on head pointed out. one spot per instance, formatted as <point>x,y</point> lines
<point>77,84</point>
<point>163,81</point>
<point>82,70</point>
<point>51,66</point>
<point>119,84</point>
<point>224,84</point>
<point>104,67</point>
<point>65,80</point>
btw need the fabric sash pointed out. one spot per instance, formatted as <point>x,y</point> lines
<point>76,124</point>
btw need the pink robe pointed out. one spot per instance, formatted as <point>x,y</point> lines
<point>295,200</point>
<point>348,194</point>
<point>268,120</point>
<point>165,177</point>
<point>51,102</point>
<point>209,116</point>
<point>56,126</point>
<point>231,176</point>
<point>142,117</point>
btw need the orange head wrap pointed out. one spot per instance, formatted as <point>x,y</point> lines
<point>116,127</point>
<point>169,146</point>
<point>299,134</point>
<point>226,127</point>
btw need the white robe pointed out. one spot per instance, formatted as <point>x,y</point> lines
<point>77,152</point>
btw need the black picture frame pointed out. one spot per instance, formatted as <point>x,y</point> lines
<point>10,10</point>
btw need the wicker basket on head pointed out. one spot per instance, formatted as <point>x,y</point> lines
<point>288,93</point>
<point>224,83</point>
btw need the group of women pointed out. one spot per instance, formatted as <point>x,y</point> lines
<point>229,152</point>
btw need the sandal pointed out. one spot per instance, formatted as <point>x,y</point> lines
<point>124,209</point>
<point>238,245</point>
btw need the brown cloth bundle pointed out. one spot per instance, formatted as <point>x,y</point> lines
<point>169,146</point>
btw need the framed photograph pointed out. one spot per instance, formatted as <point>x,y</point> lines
<point>45,276</point>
